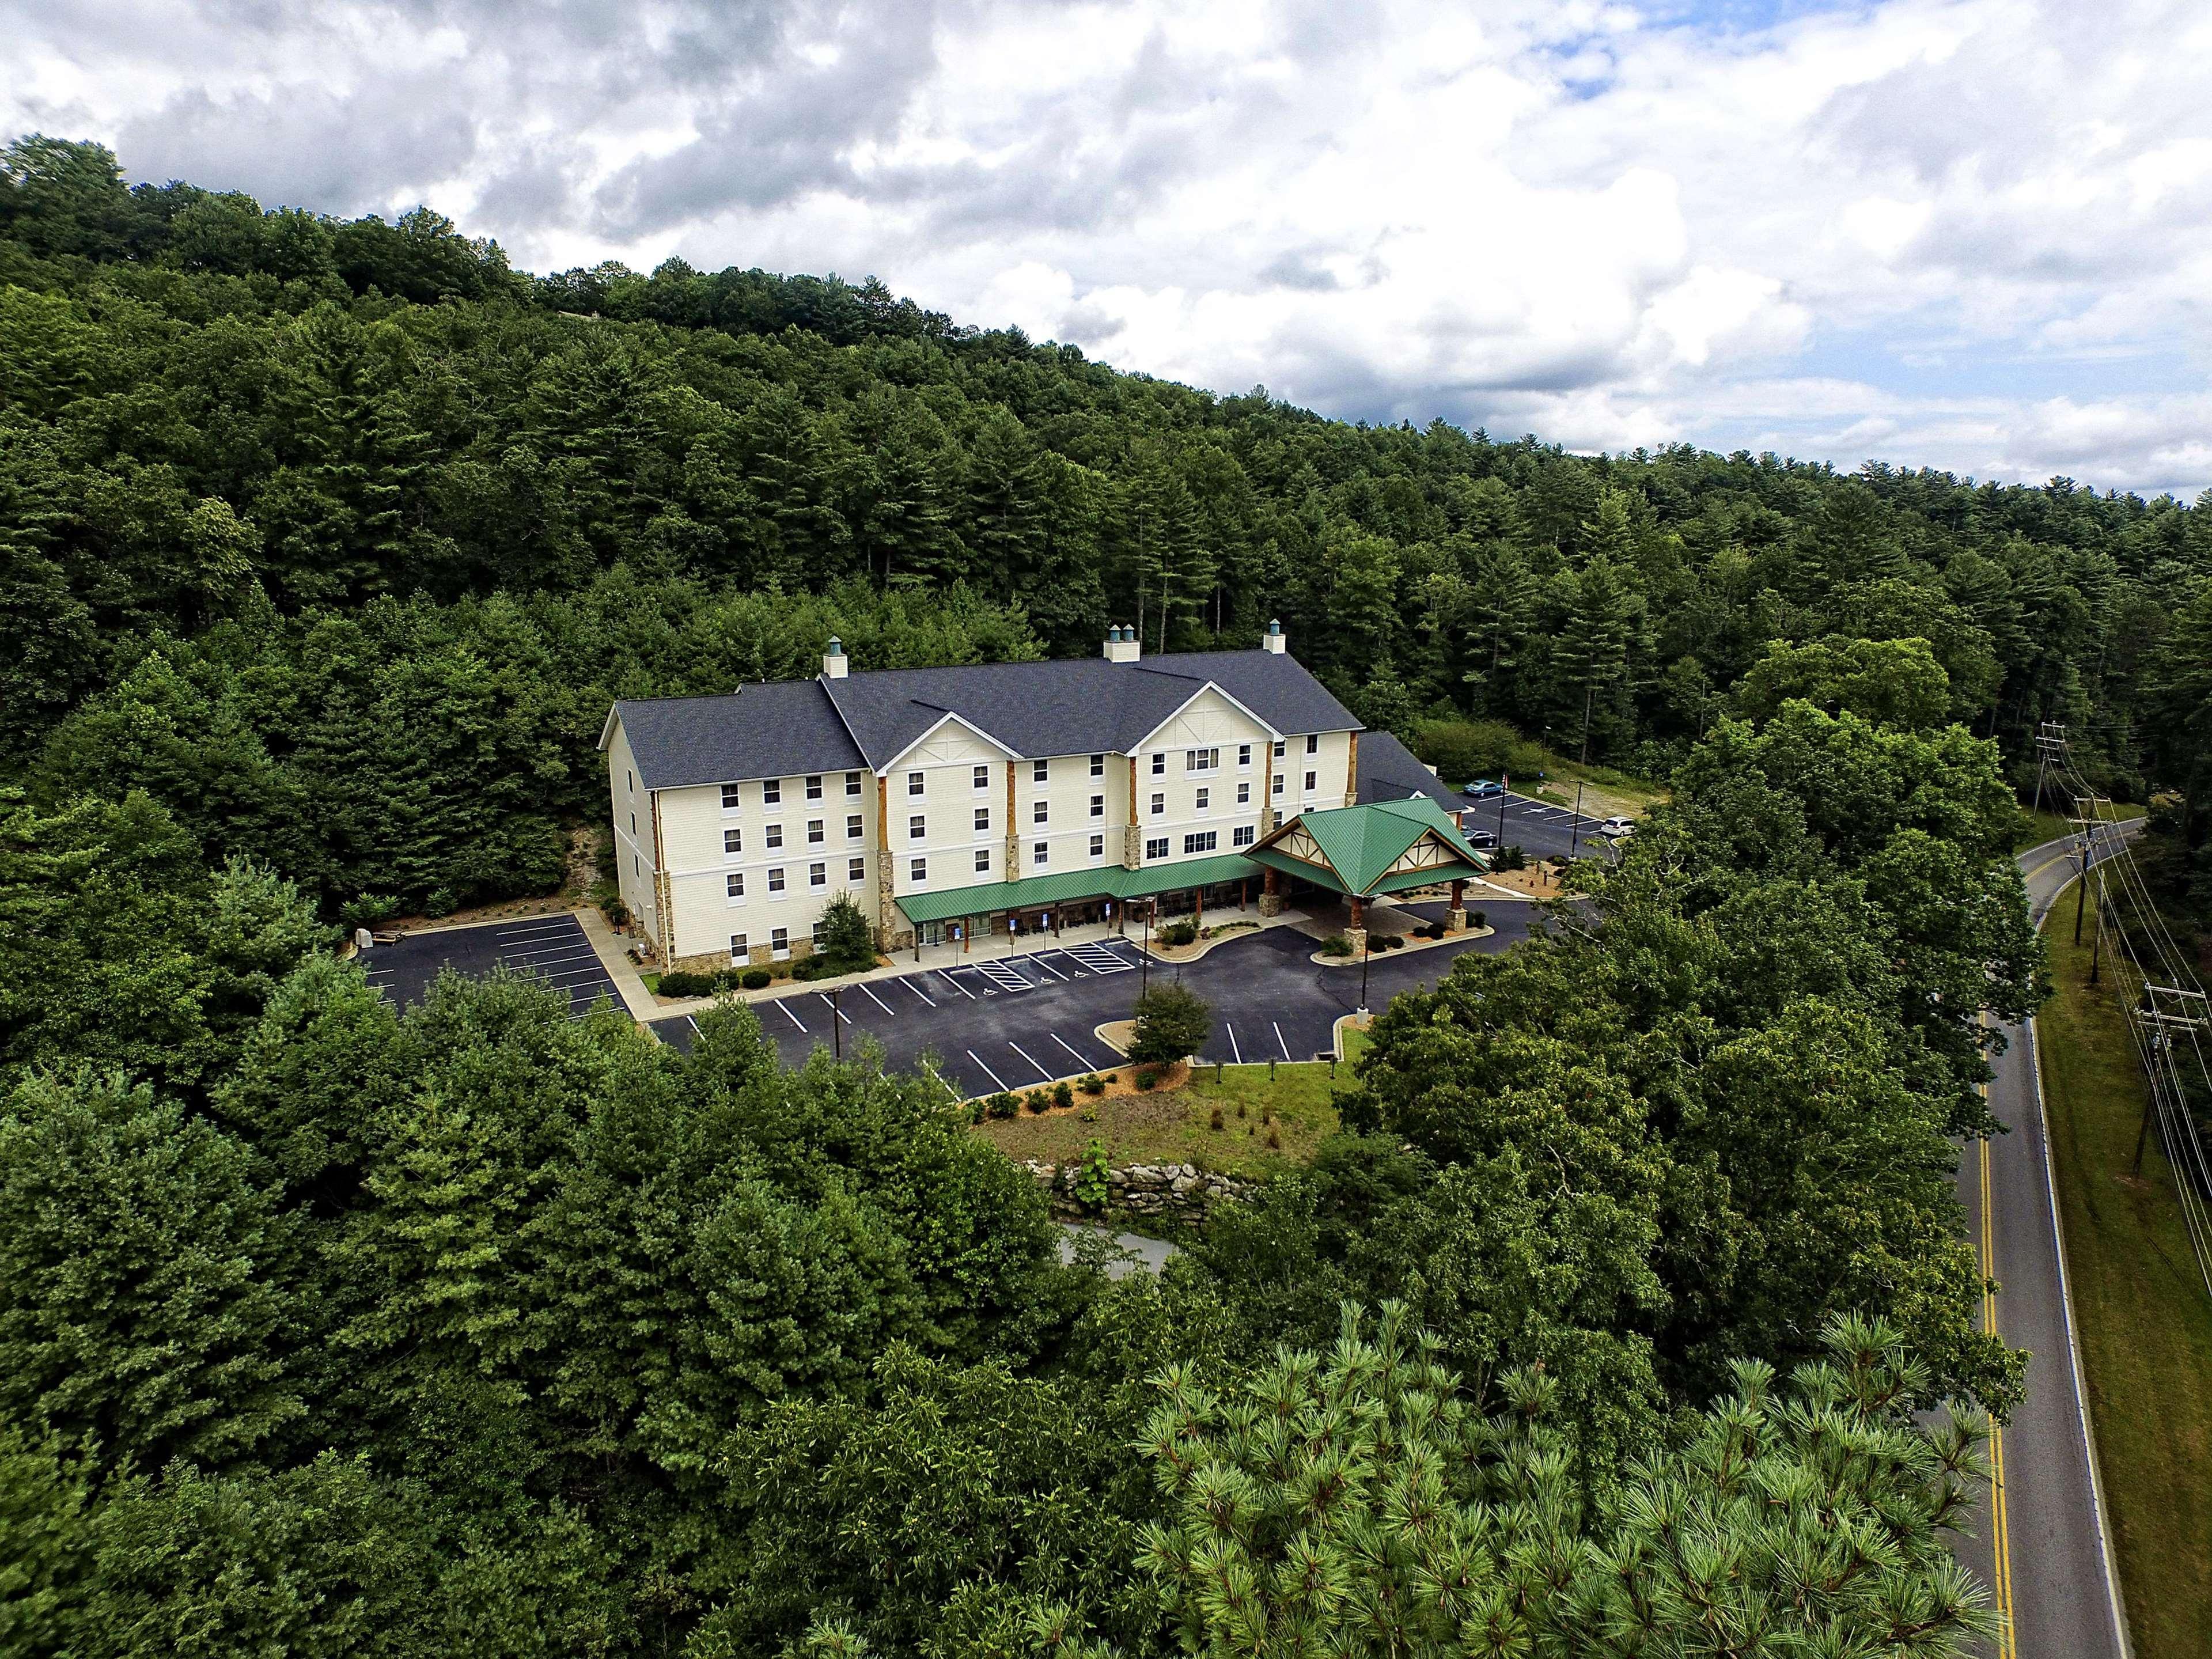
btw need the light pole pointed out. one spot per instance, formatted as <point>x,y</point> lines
<point>837,1023</point>
<point>1365,936</point>
<point>1574,831</point>
<point>1144,961</point>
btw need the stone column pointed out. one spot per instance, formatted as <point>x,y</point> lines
<point>1357,932</point>
<point>1351,774</point>
<point>1133,838</point>
<point>1271,892</point>
<point>887,928</point>
<point>1455,917</point>
<point>1013,829</point>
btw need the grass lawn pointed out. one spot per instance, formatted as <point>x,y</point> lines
<point>2037,828</point>
<point>1175,1125</point>
<point>1605,792</point>
<point>2144,1323</point>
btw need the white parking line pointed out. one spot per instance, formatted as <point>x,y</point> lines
<point>788,1015</point>
<point>919,992</point>
<point>1280,1043</point>
<point>1040,962</point>
<point>583,953</point>
<point>1079,1059</point>
<point>957,986</point>
<point>1233,1049</point>
<point>694,1025</point>
<point>877,1000</point>
<point>1043,1076</point>
<point>528,935</point>
<point>941,1083</point>
<point>833,1007</point>
<point>987,1071</point>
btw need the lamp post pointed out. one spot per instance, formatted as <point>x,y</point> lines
<point>1144,961</point>
<point>1575,829</point>
<point>1366,936</point>
<point>837,1023</point>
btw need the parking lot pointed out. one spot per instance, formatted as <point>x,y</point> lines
<point>553,948</point>
<point>1538,828</point>
<point>1015,1022</point>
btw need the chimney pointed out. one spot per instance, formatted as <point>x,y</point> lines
<point>1122,644</point>
<point>1274,641</point>
<point>834,661</point>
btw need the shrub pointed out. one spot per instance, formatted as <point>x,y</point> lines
<point>1094,1176</point>
<point>1215,1125</point>
<point>1037,1101</point>
<point>1002,1104</point>
<point>848,940</point>
<point>441,902</point>
<point>974,1111</point>
<point>1390,941</point>
<point>1474,919</point>
<point>683,982</point>
<point>755,979</point>
<point>1336,945</point>
<point>1508,857</point>
<point>1171,1021</point>
<point>1179,933</point>
<point>1463,751</point>
<point>1147,1076</point>
<point>1092,1084</point>
<point>1062,1094</point>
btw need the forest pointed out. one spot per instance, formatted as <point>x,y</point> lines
<point>1618,1320</point>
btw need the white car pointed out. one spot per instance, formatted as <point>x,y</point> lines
<point>1617,827</point>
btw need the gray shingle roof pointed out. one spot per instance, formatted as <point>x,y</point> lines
<point>1075,706</point>
<point>1389,771</point>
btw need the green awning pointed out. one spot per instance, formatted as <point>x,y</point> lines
<point>1065,887</point>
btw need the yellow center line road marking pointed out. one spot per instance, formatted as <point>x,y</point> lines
<point>1999,1520</point>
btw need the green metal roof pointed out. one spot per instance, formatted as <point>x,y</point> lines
<point>1362,843</point>
<point>1109,881</point>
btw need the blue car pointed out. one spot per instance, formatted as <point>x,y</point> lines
<point>1483,789</point>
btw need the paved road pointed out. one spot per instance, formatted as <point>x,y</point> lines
<point>2041,1545</point>
<point>1019,1021</point>
<point>552,947</point>
<point>1538,828</point>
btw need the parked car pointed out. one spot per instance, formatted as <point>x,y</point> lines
<point>1483,789</point>
<point>1482,840</point>
<point>1617,827</point>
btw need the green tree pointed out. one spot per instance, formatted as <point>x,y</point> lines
<point>1889,682</point>
<point>1170,1023</point>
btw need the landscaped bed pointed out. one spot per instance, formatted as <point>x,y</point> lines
<point>1174,1125</point>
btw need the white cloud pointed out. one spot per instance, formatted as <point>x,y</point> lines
<point>1962,233</point>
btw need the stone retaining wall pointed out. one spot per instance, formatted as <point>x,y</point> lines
<point>1172,1192</point>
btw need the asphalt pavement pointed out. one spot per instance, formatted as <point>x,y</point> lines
<point>553,948</point>
<point>1015,1022</point>
<point>2041,1545</point>
<point>1538,828</point>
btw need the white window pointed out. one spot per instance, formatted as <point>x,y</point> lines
<point>1156,848</point>
<point>1039,770</point>
<point>733,841</point>
<point>915,783</point>
<point>779,943</point>
<point>852,783</point>
<point>1276,788</point>
<point>1244,836</point>
<point>814,788</point>
<point>982,777</point>
<point>983,860</point>
<point>731,798</point>
<point>1204,842</point>
<point>1041,812</point>
<point>982,820</point>
<point>1099,806</point>
<point>1159,804</point>
<point>917,870</point>
<point>1098,847</point>
<point>1279,748</point>
<point>814,832</point>
<point>1243,755</point>
<point>776,879</point>
<point>816,935</point>
<point>775,835</point>
<point>817,876</point>
<point>1098,766</point>
<point>738,949</point>
<point>1040,854</point>
<point>771,791</point>
<point>916,827</point>
<point>1204,799</point>
<point>1159,765</point>
<point>1309,782</point>
<point>851,826</point>
<point>1313,743</point>
<point>1243,794</point>
<point>734,885</point>
<point>1201,760</point>
<point>856,871</point>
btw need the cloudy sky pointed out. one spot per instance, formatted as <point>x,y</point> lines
<point>1971,234</point>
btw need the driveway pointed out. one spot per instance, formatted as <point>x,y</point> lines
<point>1019,1021</point>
